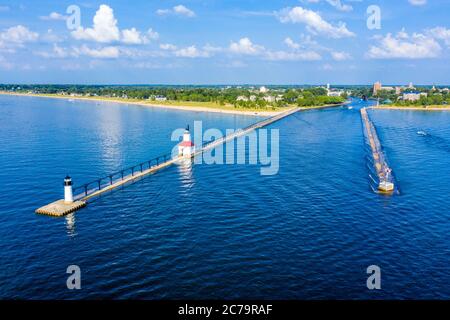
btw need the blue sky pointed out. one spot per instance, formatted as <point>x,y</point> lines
<point>225,42</point>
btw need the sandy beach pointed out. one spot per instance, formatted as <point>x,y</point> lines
<point>176,107</point>
<point>155,105</point>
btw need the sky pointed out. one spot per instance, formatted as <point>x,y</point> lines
<point>225,42</point>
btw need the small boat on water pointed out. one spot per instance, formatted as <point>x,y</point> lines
<point>350,108</point>
<point>422,133</point>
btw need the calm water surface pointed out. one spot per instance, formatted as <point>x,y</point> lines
<point>222,231</point>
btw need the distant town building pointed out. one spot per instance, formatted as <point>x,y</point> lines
<point>160,98</point>
<point>269,99</point>
<point>413,96</point>
<point>263,90</point>
<point>377,87</point>
<point>335,93</point>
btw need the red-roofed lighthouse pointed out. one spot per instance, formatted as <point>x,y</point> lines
<point>186,148</point>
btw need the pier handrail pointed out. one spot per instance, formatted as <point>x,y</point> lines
<point>95,185</point>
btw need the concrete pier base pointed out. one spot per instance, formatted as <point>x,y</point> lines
<point>60,208</point>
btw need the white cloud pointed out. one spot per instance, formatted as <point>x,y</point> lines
<point>105,30</point>
<point>182,10</point>
<point>179,10</point>
<point>338,4</point>
<point>418,2</point>
<point>14,37</point>
<point>152,35</point>
<point>292,56</point>
<point>191,52</point>
<point>107,52</point>
<point>404,46</point>
<point>440,33</point>
<point>167,46</point>
<point>54,16</point>
<point>340,55</point>
<point>300,52</point>
<point>151,65</point>
<point>212,49</point>
<point>133,36</point>
<point>245,46</point>
<point>163,12</point>
<point>57,52</point>
<point>314,22</point>
<point>291,44</point>
<point>101,53</point>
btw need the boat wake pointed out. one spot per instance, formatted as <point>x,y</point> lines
<point>435,141</point>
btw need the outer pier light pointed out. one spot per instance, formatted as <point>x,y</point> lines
<point>68,192</point>
<point>186,148</point>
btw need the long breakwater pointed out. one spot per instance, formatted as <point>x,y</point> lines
<point>384,173</point>
<point>118,179</point>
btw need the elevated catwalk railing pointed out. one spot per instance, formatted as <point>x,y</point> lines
<point>84,191</point>
<point>112,181</point>
<point>381,166</point>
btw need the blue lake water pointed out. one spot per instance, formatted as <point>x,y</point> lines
<point>222,231</point>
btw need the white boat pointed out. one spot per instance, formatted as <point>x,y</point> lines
<point>421,133</point>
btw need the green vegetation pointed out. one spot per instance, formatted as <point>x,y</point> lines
<point>241,97</point>
<point>430,100</point>
<point>422,96</point>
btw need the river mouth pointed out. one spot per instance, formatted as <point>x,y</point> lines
<point>223,231</point>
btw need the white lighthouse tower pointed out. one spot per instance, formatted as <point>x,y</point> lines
<point>186,148</point>
<point>68,192</point>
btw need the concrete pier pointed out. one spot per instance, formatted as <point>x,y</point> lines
<point>60,208</point>
<point>384,172</point>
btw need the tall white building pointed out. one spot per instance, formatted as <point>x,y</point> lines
<point>263,89</point>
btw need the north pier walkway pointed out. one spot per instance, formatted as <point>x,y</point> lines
<point>118,179</point>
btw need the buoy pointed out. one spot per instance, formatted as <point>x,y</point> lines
<point>68,192</point>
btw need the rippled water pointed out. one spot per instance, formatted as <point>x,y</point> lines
<point>222,231</point>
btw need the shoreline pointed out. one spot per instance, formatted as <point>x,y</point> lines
<point>174,107</point>
<point>152,105</point>
<point>447,108</point>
